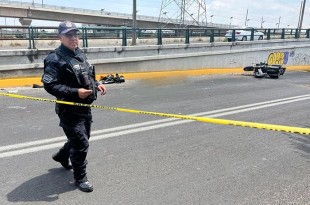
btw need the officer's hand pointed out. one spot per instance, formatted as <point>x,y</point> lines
<point>102,89</point>
<point>83,93</point>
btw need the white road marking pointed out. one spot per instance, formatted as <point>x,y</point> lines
<point>40,145</point>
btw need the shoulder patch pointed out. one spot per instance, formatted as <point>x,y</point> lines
<point>47,78</point>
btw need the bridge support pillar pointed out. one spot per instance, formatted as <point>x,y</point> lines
<point>25,21</point>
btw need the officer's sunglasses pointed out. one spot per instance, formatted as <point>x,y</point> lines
<point>71,35</point>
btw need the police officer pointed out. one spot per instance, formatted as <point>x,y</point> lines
<point>70,77</point>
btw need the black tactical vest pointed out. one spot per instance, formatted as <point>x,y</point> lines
<point>84,73</point>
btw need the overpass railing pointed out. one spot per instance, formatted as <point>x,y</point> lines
<point>21,37</point>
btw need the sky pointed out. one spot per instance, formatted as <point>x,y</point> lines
<point>261,13</point>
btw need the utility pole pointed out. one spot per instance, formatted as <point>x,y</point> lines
<point>300,14</point>
<point>134,22</point>
<point>246,17</point>
<point>301,17</point>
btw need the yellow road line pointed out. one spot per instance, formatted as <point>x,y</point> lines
<point>281,128</point>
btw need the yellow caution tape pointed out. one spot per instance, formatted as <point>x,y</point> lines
<point>280,128</point>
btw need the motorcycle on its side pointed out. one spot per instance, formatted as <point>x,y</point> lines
<point>261,70</point>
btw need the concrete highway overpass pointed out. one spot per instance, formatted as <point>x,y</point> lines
<point>28,11</point>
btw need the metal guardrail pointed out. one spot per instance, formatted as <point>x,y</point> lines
<point>35,37</point>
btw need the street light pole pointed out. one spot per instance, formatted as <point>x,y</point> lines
<point>261,25</point>
<point>134,22</point>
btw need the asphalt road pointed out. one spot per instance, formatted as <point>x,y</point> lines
<point>143,159</point>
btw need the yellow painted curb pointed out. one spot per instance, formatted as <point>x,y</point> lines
<point>302,68</point>
<point>29,81</point>
<point>180,73</point>
<point>18,82</point>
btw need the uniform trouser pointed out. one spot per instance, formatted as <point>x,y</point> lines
<point>76,148</point>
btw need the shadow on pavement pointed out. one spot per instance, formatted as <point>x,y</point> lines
<point>302,144</point>
<point>46,187</point>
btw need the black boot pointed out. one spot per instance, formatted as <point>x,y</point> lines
<point>84,185</point>
<point>64,162</point>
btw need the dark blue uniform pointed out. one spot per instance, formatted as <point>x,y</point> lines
<point>65,71</point>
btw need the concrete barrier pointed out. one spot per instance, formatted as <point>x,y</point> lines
<point>136,60</point>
